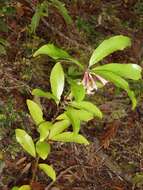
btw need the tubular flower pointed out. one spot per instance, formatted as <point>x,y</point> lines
<point>89,82</point>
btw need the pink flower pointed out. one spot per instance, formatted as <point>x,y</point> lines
<point>89,82</point>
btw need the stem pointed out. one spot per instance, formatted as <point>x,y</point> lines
<point>35,170</point>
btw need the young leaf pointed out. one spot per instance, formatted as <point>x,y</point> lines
<point>57,81</point>
<point>43,149</point>
<point>44,129</point>
<point>41,93</point>
<point>52,51</point>
<point>25,187</point>
<point>25,141</point>
<point>35,112</point>
<point>109,46</point>
<point>129,71</point>
<point>59,127</point>
<point>15,188</point>
<point>56,53</point>
<point>80,114</point>
<point>49,171</point>
<point>61,8</point>
<point>35,21</point>
<point>74,118</point>
<point>78,91</point>
<point>88,106</point>
<point>119,82</point>
<point>40,12</point>
<point>71,137</point>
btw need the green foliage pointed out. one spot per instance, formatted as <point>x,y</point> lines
<point>15,188</point>
<point>23,187</point>
<point>41,93</point>
<point>127,71</point>
<point>56,53</point>
<point>88,106</point>
<point>6,9</point>
<point>49,171</point>
<point>42,11</point>
<point>119,82</point>
<point>109,46</point>
<point>73,109</point>
<point>57,81</point>
<point>59,127</point>
<point>62,10</point>
<point>35,112</point>
<point>52,51</point>
<point>43,129</point>
<point>71,137</point>
<point>25,141</point>
<point>43,149</point>
<point>77,91</point>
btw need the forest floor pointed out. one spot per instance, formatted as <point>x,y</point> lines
<point>114,158</point>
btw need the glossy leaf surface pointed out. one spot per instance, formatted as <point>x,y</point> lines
<point>71,137</point>
<point>109,46</point>
<point>43,149</point>
<point>25,141</point>
<point>35,111</point>
<point>48,170</point>
<point>57,81</point>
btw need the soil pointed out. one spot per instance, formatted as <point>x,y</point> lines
<point>114,157</point>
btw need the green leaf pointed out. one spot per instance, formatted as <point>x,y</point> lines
<point>49,171</point>
<point>77,90</point>
<point>35,21</point>
<point>41,93</point>
<point>56,53</point>
<point>41,10</point>
<point>52,51</point>
<point>88,106</point>
<point>129,71</point>
<point>74,118</point>
<point>44,129</point>
<point>15,188</point>
<point>131,94</point>
<point>43,149</point>
<point>59,127</point>
<point>25,141</point>
<point>109,46</point>
<point>25,187</point>
<point>119,82</point>
<point>71,137</point>
<point>61,8</point>
<point>57,81</point>
<point>35,111</point>
<point>62,116</point>
<point>80,114</point>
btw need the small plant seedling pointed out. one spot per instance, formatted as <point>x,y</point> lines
<point>73,108</point>
<point>42,11</point>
